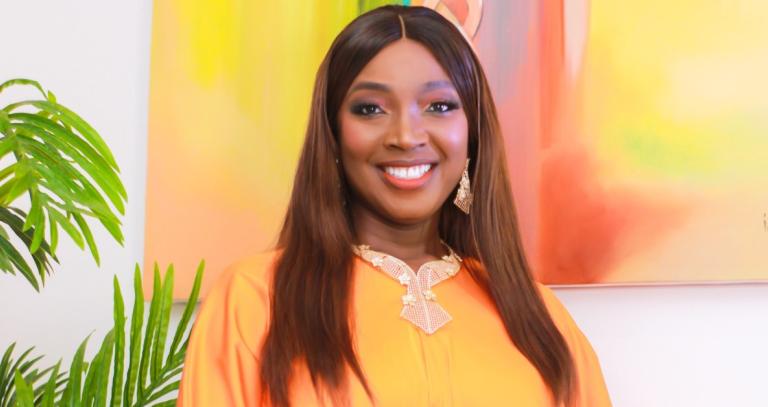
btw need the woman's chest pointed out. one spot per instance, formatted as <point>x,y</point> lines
<point>468,361</point>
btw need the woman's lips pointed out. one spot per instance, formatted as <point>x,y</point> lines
<point>407,177</point>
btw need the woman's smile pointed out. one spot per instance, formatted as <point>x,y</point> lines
<point>407,176</point>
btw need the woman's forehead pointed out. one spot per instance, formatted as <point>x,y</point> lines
<point>403,65</point>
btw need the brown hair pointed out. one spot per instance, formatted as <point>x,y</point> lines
<point>311,297</point>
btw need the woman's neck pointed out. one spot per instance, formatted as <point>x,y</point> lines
<point>414,243</point>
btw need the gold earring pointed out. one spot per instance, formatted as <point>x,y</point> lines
<point>463,198</point>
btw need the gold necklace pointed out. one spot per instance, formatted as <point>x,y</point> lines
<point>420,305</point>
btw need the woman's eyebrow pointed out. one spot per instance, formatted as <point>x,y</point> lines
<point>436,84</point>
<point>370,86</point>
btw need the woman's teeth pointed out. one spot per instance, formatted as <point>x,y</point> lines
<point>417,171</point>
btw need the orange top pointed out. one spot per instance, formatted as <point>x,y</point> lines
<point>468,361</point>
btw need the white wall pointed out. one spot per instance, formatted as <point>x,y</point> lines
<point>678,345</point>
<point>659,346</point>
<point>94,55</point>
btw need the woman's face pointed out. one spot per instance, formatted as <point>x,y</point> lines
<point>403,134</point>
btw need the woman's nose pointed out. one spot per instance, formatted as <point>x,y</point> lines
<point>406,132</point>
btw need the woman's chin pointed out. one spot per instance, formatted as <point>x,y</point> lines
<point>411,213</point>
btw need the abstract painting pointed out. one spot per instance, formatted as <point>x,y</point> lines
<point>636,131</point>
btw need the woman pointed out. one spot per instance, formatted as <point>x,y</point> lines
<point>399,278</point>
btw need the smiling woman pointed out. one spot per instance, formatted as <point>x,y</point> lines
<point>403,139</point>
<point>399,277</point>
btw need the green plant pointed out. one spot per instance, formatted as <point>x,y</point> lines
<point>11,371</point>
<point>152,370</point>
<point>61,163</point>
<point>69,174</point>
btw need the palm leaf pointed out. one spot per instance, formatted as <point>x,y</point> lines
<point>37,235</point>
<point>69,173</point>
<point>152,374</point>
<point>166,368</point>
<point>137,319</point>
<point>189,308</point>
<point>119,329</point>
<point>21,81</point>
<point>166,300</point>
<point>71,145</point>
<point>6,384</point>
<point>149,333</point>
<point>71,119</point>
<point>72,396</point>
<point>25,392</point>
<point>68,227</point>
<point>48,395</point>
<point>87,234</point>
<point>25,397</point>
<point>23,367</point>
<point>15,258</point>
<point>97,379</point>
<point>162,392</point>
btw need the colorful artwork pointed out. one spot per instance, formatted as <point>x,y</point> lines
<point>654,158</point>
<point>636,130</point>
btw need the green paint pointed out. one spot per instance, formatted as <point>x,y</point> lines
<point>720,149</point>
<point>650,152</point>
<point>368,5</point>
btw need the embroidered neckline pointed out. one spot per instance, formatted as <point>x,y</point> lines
<point>420,305</point>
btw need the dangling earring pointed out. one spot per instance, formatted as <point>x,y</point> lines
<point>463,198</point>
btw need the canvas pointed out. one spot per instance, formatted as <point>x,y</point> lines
<point>635,131</point>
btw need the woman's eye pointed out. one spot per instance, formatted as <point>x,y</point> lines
<point>366,109</point>
<point>443,106</point>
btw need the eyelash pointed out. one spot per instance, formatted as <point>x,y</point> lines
<point>450,105</point>
<point>358,109</point>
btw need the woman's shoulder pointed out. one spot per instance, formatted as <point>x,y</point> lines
<point>562,318</point>
<point>238,303</point>
<point>246,276</point>
<point>554,305</point>
<point>559,313</point>
<point>591,390</point>
<point>225,343</point>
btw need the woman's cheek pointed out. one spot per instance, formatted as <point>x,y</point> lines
<point>360,137</point>
<point>353,139</point>
<point>454,136</point>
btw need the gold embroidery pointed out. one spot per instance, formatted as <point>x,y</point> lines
<point>420,305</point>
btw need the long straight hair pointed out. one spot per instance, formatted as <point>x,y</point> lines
<point>310,297</point>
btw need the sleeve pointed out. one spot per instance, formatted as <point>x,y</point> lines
<point>221,364</point>
<point>591,390</point>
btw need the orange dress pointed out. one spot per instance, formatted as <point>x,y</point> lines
<point>467,361</point>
